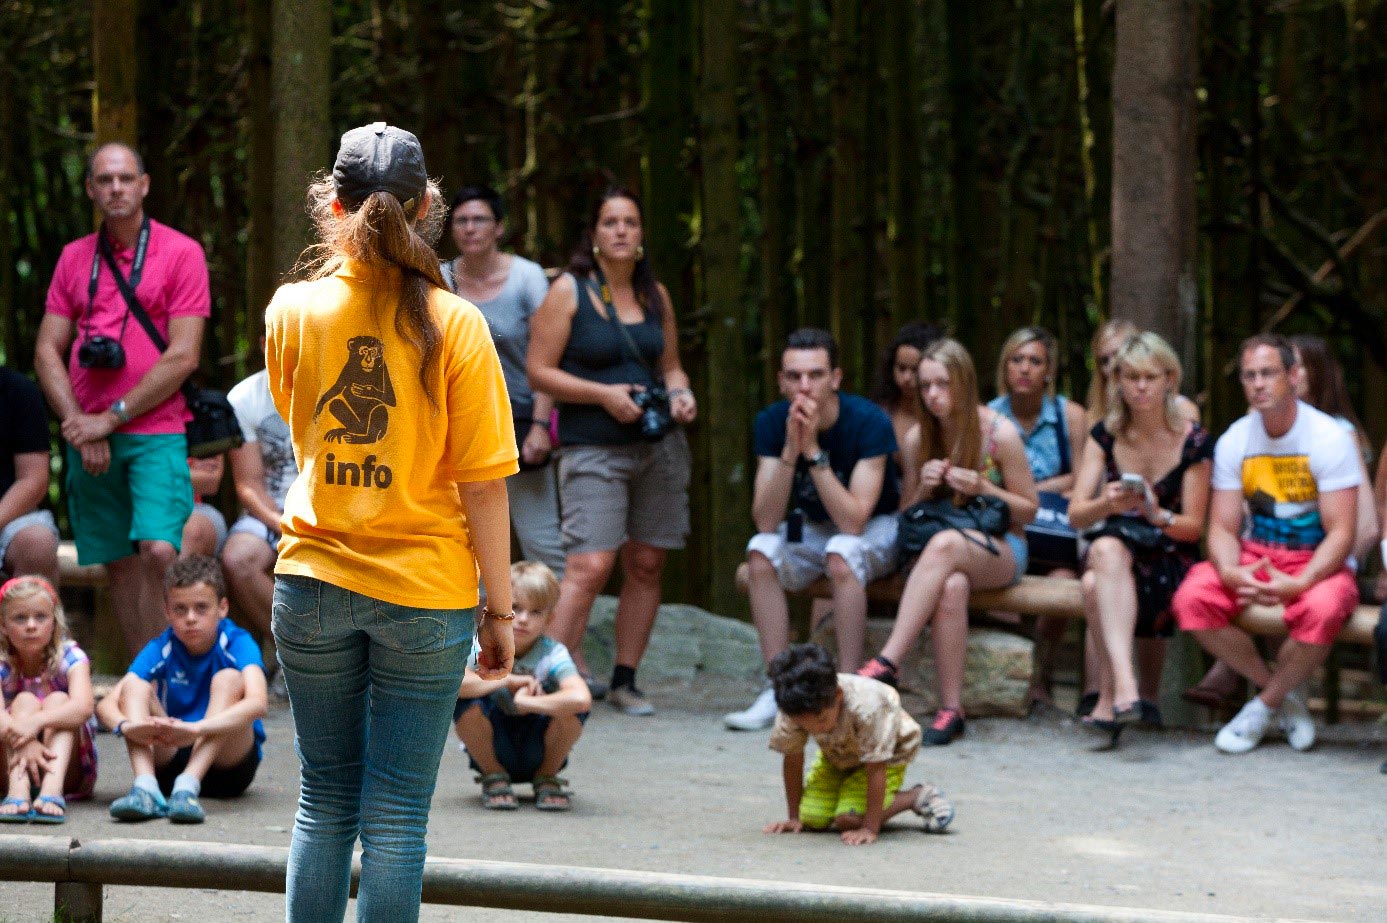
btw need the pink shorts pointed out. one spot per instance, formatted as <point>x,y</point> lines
<point>1314,617</point>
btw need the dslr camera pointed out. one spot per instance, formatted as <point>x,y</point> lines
<point>101,352</point>
<point>655,419</point>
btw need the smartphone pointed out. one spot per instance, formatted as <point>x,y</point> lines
<point>1133,483</point>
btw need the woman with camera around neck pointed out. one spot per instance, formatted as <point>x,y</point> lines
<point>605,345</point>
<point>1141,495</point>
<point>961,450</point>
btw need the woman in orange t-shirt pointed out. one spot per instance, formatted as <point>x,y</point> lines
<point>402,431</point>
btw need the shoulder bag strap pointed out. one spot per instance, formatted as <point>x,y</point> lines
<point>137,309</point>
<point>1066,463</point>
<point>604,294</point>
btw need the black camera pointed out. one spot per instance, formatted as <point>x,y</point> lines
<point>655,420</point>
<point>100,352</point>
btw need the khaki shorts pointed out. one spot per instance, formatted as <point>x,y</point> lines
<point>611,494</point>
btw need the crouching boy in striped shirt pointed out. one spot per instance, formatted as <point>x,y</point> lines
<point>865,740</point>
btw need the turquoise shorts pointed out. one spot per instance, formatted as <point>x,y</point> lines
<point>145,496</point>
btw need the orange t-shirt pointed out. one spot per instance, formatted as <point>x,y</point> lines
<point>375,508</point>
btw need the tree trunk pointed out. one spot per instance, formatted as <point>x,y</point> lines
<point>851,301</point>
<point>1153,217</point>
<point>904,167</point>
<point>727,419</point>
<point>300,93</point>
<point>260,200</point>
<point>972,322</point>
<point>811,237</point>
<point>116,66</point>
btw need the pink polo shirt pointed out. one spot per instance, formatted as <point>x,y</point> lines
<point>174,284</point>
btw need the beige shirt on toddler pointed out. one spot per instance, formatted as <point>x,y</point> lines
<point>872,728</point>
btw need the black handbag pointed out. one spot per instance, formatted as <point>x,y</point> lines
<point>1137,534</point>
<point>922,521</point>
<point>213,428</point>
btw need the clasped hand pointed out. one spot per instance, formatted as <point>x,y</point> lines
<point>161,731</point>
<point>939,471</point>
<point>1262,583</point>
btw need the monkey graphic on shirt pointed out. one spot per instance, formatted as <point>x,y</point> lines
<point>362,395</point>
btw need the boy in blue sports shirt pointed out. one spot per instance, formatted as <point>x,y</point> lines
<point>190,706</point>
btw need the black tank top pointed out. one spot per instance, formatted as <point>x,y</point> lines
<point>597,351</point>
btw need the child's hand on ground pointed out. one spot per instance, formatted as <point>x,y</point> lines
<point>859,837</point>
<point>785,826</point>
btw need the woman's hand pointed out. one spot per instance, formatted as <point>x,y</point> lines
<point>537,445</point>
<point>497,656</point>
<point>1120,500</point>
<point>964,480</point>
<point>932,474</point>
<point>682,405</point>
<point>616,400</point>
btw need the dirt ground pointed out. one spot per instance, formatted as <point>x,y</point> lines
<point>1164,822</point>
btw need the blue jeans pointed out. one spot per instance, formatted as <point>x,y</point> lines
<point>371,687</point>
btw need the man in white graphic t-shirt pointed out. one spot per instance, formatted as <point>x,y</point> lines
<point>1281,526</point>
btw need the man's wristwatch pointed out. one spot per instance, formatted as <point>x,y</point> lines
<point>820,460</point>
<point>1167,517</point>
<point>122,414</point>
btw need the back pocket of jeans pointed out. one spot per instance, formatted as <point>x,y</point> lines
<point>410,630</point>
<point>296,615</point>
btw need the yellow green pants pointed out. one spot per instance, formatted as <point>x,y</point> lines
<point>830,791</point>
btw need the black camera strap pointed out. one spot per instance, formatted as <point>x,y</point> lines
<point>132,303</point>
<point>604,292</point>
<point>103,249</point>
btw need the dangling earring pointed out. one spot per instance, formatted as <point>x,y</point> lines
<point>596,251</point>
<point>640,251</point>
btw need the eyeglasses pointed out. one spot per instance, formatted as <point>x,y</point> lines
<point>472,221</point>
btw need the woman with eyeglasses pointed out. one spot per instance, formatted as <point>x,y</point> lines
<point>1052,430</point>
<point>508,290</point>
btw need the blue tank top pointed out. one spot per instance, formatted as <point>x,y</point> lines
<point>596,351</point>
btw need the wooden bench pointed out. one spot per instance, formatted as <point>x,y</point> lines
<point>1060,596</point>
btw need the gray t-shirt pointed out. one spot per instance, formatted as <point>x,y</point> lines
<point>508,315</point>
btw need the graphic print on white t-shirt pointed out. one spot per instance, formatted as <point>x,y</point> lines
<point>262,424</point>
<point>1282,478</point>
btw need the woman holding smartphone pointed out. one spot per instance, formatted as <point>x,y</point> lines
<point>1142,492</point>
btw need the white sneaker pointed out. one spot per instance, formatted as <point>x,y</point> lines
<point>759,715</point>
<point>1246,729</point>
<point>1295,722</point>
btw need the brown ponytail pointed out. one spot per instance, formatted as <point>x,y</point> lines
<point>379,233</point>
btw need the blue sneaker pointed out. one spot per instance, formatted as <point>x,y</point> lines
<point>184,809</point>
<point>139,805</point>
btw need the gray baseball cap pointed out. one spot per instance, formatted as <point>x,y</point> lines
<point>379,158</point>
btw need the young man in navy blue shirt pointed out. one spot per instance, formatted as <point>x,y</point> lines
<point>190,706</point>
<point>824,502</point>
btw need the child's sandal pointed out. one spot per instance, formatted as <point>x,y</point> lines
<point>497,794</point>
<point>550,794</point>
<point>37,816</point>
<point>17,817</point>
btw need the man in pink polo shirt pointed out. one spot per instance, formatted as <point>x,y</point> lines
<point>129,491</point>
<point>1281,526</point>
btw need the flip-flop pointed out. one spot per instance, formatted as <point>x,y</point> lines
<point>17,818</point>
<point>38,817</point>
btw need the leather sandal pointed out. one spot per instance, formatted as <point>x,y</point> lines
<point>550,794</point>
<point>497,794</point>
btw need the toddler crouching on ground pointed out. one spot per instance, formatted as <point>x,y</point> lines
<point>865,740</point>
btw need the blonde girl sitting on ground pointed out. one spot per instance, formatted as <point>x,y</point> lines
<point>45,726</point>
